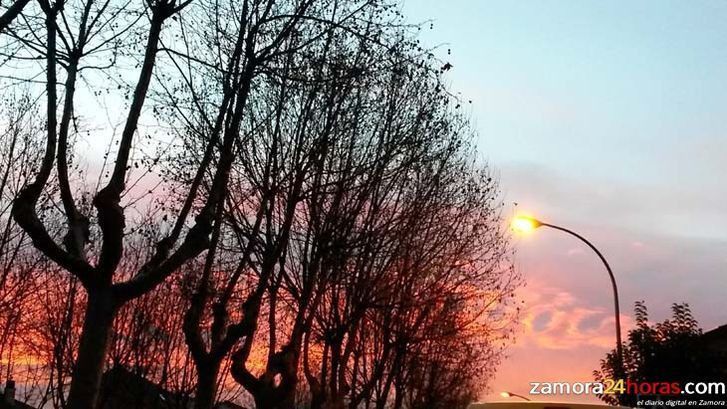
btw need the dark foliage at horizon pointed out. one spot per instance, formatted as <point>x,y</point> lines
<point>669,351</point>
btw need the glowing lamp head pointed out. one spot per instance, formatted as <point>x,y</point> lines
<point>525,224</point>
<point>505,394</point>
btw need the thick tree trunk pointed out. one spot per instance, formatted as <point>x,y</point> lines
<point>282,396</point>
<point>206,385</point>
<point>272,399</point>
<point>94,343</point>
<point>318,397</point>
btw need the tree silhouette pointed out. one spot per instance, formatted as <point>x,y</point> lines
<point>314,225</point>
<point>669,351</point>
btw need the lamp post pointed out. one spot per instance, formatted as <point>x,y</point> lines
<point>527,224</point>
<point>511,395</point>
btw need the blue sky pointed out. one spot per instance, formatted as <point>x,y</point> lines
<point>628,92</point>
<point>609,117</point>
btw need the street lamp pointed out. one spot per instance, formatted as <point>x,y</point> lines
<point>511,395</point>
<point>526,224</point>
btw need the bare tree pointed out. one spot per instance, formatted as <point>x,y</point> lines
<point>427,239</point>
<point>19,267</point>
<point>292,117</point>
<point>312,212</point>
<point>98,27</point>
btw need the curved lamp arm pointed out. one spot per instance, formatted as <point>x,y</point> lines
<point>619,347</point>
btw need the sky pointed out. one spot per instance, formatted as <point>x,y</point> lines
<point>607,118</point>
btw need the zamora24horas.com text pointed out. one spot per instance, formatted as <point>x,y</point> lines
<point>665,390</point>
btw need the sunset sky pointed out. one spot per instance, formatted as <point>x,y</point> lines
<point>607,118</point>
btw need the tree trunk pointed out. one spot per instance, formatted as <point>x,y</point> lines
<point>94,342</point>
<point>318,397</point>
<point>206,385</point>
<point>282,396</point>
<point>272,399</point>
<point>399,396</point>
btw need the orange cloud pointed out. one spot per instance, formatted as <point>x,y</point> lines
<point>556,319</point>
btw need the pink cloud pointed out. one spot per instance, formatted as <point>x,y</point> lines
<point>561,339</point>
<point>556,319</point>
